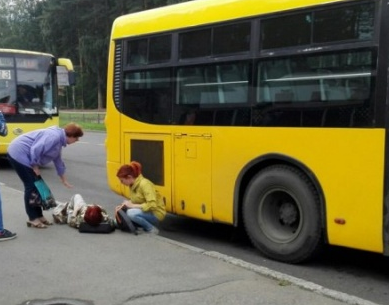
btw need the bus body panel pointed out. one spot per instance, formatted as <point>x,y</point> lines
<point>192,165</point>
<point>15,129</point>
<point>187,14</point>
<point>207,161</point>
<point>164,186</point>
<point>203,165</point>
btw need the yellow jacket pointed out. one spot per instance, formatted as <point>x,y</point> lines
<point>143,192</point>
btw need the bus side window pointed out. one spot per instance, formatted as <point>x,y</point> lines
<point>210,92</point>
<point>357,89</point>
<point>234,82</point>
<point>272,87</point>
<point>335,90</point>
<point>191,83</point>
<point>188,117</point>
<point>162,103</point>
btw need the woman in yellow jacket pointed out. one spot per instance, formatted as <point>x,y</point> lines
<point>145,206</point>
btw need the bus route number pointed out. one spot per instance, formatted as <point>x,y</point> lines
<point>5,74</point>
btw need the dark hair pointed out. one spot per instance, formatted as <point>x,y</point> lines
<point>73,130</point>
<point>133,169</point>
<point>93,215</point>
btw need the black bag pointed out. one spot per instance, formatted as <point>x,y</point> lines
<point>124,223</point>
<point>103,227</point>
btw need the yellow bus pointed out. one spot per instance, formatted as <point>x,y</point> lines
<point>29,85</point>
<point>271,115</point>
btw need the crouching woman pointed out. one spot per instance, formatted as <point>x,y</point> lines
<point>145,206</point>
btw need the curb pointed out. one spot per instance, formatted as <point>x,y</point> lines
<point>306,285</point>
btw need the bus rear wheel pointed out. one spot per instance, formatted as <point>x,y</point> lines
<point>281,214</point>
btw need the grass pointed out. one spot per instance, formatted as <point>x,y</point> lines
<point>87,120</point>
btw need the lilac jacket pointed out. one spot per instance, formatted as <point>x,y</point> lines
<point>40,147</point>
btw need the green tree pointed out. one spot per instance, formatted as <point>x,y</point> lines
<point>76,29</point>
<point>19,24</point>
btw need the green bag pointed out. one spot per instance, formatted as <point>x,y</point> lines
<point>46,198</point>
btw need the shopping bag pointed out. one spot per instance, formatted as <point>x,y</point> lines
<point>47,198</point>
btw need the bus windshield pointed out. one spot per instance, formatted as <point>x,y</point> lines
<point>26,85</point>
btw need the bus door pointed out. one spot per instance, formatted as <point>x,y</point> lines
<point>192,175</point>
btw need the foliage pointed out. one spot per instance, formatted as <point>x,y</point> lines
<point>19,26</point>
<point>87,120</point>
<point>76,29</point>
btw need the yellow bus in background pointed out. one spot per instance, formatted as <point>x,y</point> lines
<point>271,115</point>
<point>29,85</point>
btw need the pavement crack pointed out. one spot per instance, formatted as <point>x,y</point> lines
<point>155,294</point>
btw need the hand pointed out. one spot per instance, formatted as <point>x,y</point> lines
<point>118,208</point>
<point>36,170</point>
<point>128,204</point>
<point>65,182</point>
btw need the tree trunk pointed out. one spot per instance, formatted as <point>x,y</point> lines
<point>99,93</point>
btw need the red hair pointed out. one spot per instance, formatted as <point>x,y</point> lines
<point>134,169</point>
<point>93,215</point>
<point>73,130</point>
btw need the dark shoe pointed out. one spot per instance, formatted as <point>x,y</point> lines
<point>7,235</point>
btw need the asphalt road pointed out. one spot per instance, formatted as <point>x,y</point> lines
<point>363,274</point>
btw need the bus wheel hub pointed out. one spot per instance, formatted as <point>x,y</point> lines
<point>288,213</point>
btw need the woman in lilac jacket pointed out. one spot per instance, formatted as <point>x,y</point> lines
<point>29,151</point>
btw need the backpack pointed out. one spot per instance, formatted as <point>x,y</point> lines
<point>124,223</point>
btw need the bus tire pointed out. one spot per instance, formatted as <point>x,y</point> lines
<point>282,215</point>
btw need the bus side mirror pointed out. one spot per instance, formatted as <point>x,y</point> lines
<point>72,78</point>
<point>65,72</point>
